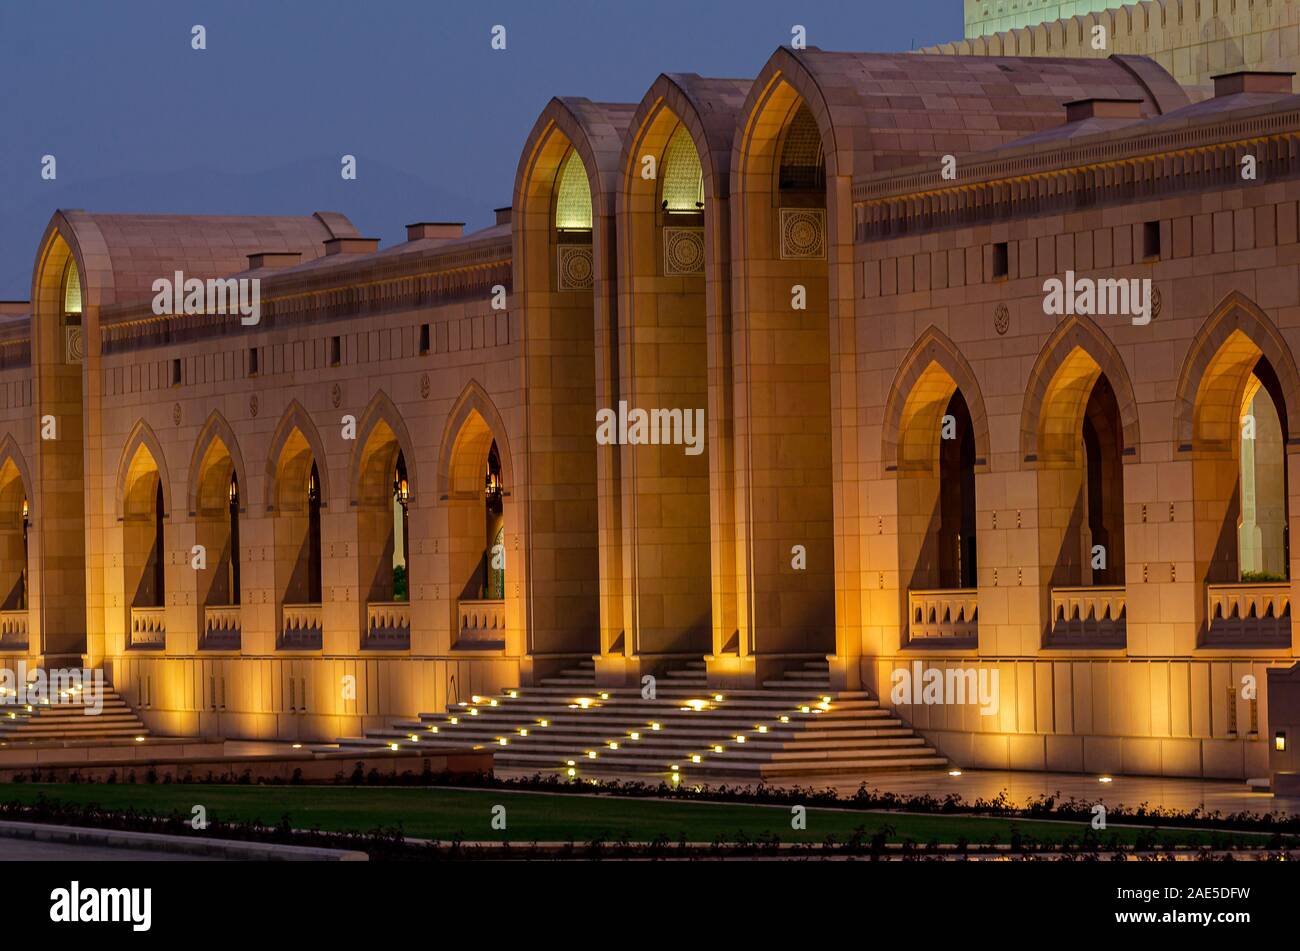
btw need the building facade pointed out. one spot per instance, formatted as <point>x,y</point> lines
<point>463,462</point>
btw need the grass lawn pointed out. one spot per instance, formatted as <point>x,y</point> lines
<point>439,813</point>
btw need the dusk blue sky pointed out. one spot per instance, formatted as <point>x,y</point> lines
<point>256,124</point>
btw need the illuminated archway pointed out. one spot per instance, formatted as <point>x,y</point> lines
<point>784,431</point>
<point>297,494</point>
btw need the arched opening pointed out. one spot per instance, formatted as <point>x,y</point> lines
<point>62,298</point>
<point>562,237</point>
<point>71,295</point>
<point>14,519</point>
<point>478,559</point>
<point>784,433</point>
<point>298,501</point>
<point>144,578</point>
<point>383,498</point>
<point>1241,490</point>
<point>664,374</point>
<point>1080,477</point>
<point>217,505</point>
<point>938,555</point>
<point>1263,542</point>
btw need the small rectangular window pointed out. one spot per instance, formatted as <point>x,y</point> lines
<point>252,361</point>
<point>1001,261</point>
<point>424,339</point>
<point>176,372</point>
<point>336,351</point>
<point>1151,239</point>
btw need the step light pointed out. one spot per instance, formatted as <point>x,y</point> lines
<point>455,720</point>
<point>785,718</point>
<point>954,773</point>
<point>523,731</point>
<point>760,728</point>
<point>634,735</point>
<point>1105,779</point>
<point>391,746</point>
<point>512,694</point>
<point>503,741</point>
<point>414,738</point>
<point>543,723</point>
<point>740,738</point>
<point>613,745</point>
<point>717,697</point>
<point>591,754</point>
<point>654,726</point>
<point>695,757</point>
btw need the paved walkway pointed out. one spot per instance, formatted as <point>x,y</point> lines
<point>27,850</point>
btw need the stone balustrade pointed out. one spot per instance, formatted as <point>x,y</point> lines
<point>301,626</point>
<point>13,630</point>
<point>149,627</point>
<point>222,625</point>
<point>1089,616</point>
<point>388,625</point>
<point>481,621</point>
<point>1249,614</point>
<point>943,618</point>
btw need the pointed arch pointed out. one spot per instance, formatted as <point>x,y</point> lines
<point>129,468</point>
<point>381,415</point>
<point>295,419</point>
<point>216,429</point>
<point>473,401</point>
<point>1079,345</point>
<point>1215,360</point>
<point>10,451</point>
<point>932,351</point>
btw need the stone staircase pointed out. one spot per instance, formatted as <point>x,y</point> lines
<point>63,721</point>
<point>794,726</point>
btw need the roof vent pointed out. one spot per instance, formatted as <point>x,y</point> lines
<point>437,230</point>
<point>273,259</point>
<point>503,215</point>
<point>1248,80</point>
<point>351,246</point>
<point>1078,110</point>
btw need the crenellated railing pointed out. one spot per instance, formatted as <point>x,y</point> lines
<point>388,625</point>
<point>13,630</point>
<point>222,624</point>
<point>301,626</point>
<point>481,621</point>
<point>149,627</point>
<point>1090,616</point>
<point>1249,614</point>
<point>943,618</point>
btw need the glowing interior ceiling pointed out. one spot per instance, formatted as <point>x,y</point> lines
<point>683,177</point>
<point>573,203</point>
